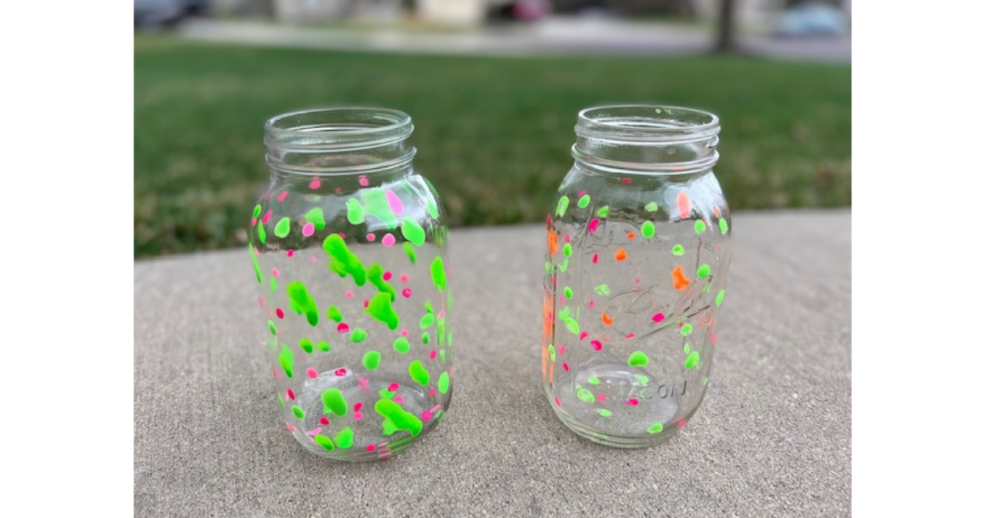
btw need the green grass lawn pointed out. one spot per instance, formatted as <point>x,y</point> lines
<point>493,133</point>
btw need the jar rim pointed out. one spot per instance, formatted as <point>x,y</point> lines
<point>337,127</point>
<point>631,123</point>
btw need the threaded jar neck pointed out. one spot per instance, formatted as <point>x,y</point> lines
<point>335,141</point>
<point>646,139</point>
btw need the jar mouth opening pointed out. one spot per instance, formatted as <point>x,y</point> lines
<point>337,128</point>
<point>638,123</point>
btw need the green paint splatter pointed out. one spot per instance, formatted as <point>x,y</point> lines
<point>678,250</point>
<point>655,428</point>
<point>261,233</point>
<point>572,326</point>
<point>552,352</point>
<point>561,206</point>
<point>699,226</point>
<point>380,308</point>
<point>256,210</point>
<point>568,250</point>
<point>324,441</point>
<point>720,297</point>
<point>425,338</point>
<point>323,346</point>
<point>704,271</point>
<point>419,373</point>
<point>584,201</point>
<point>428,307</point>
<point>297,410</point>
<point>386,394</point>
<point>334,400</point>
<point>568,292</point>
<point>432,209</point>
<point>426,321</point>
<point>692,360</point>
<point>723,226</point>
<point>413,232</point>
<point>411,253</point>
<point>437,273</point>
<point>602,289</point>
<point>376,204</point>
<point>585,395</point>
<point>593,380</point>
<point>274,284</point>
<point>375,277</point>
<point>638,359</point>
<point>283,227</point>
<point>440,327</point>
<point>358,335</point>
<point>316,217</point>
<point>271,327</point>
<point>604,412</point>
<point>355,212</point>
<point>306,345</point>
<point>334,314</point>
<point>648,229</point>
<point>401,345</point>
<point>400,419</point>
<point>287,360</point>
<point>342,260</point>
<point>444,382</point>
<point>256,265</point>
<point>548,268</point>
<point>652,207</point>
<point>687,329</point>
<point>687,348</point>
<point>281,400</point>
<point>371,360</point>
<point>344,438</point>
<point>602,212</point>
<point>643,380</point>
<point>563,265</point>
<point>301,302</point>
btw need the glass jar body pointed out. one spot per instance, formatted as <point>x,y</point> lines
<point>636,267</point>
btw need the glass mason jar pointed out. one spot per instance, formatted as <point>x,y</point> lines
<point>348,248</point>
<point>638,251</point>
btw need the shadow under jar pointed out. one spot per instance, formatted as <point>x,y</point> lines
<point>638,252</point>
<point>348,247</point>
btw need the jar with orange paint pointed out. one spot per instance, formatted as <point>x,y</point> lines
<point>637,257</point>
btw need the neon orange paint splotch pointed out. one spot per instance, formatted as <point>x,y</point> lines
<point>683,204</point>
<point>680,281</point>
<point>553,242</point>
<point>607,319</point>
<point>621,255</point>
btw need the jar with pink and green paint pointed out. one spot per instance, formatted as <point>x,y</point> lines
<point>637,256</point>
<point>348,245</point>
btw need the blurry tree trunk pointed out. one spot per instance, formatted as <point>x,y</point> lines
<point>724,37</point>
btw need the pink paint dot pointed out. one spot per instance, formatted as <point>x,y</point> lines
<point>337,189</point>
<point>275,272</point>
<point>343,327</point>
<point>404,333</point>
<point>341,372</point>
<point>279,313</point>
<point>349,294</point>
<point>314,184</point>
<point>404,278</point>
<point>601,397</point>
<point>260,300</point>
<point>426,416</point>
<point>394,202</point>
<point>407,292</point>
<point>388,240</point>
<point>565,366</point>
<point>358,416</point>
<point>595,258</point>
<point>324,421</point>
<point>370,447</point>
<point>637,281</point>
<point>596,345</point>
<point>561,349</point>
<point>342,235</point>
<point>283,195</point>
<point>562,300</point>
<point>311,372</point>
<point>365,303</point>
<point>312,259</point>
<point>434,354</point>
<point>266,218</point>
<point>308,229</point>
<point>290,427</point>
<point>358,406</point>
<point>393,387</point>
<point>567,238</point>
<point>387,276</point>
<point>291,394</point>
<point>581,194</point>
<point>291,252</point>
<point>591,305</point>
<point>626,181</point>
<point>363,180</point>
<point>718,248</point>
<point>682,423</point>
<point>658,318</point>
<point>714,337</point>
<point>399,399</point>
<point>680,324</point>
<point>630,336</point>
<point>632,402</point>
<point>584,335</point>
<point>370,237</point>
<point>432,392</point>
<point>558,404</point>
<point>594,223</point>
<point>683,204</point>
<point>253,221</point>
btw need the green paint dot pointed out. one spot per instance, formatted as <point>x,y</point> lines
<point>380,308</point>
<point>283,227</point>
<point>316,217</point>
<point>323,346</point>
<point>306,345</point>
<point>342,260</point>
<point>552,352</point>
<point>419,373</point>
<point>261,233</point>
<point>425,337</point>
<point>602,212</point>
<point>256,210</point>
<point>281,400</point>
<point>401,345</point>
<point>334,400</point>
<point>585,395</point>
<point>274,284</point>
<point>324,441</point>
<point>398,418</point>
<point>692,360</point>
<point>377,205</point>
<point>334,314</point>
<point>568,249</point>
<point>444,382</point>
<point>643,380</point>
<point>297,410</point>
<point>568,292</point>
<point>426,321</point>
<point>563,265</point>
<point>704,381</point>
<point>344,438</point>
<point>256,265</point>
<point>432,209</point>
<point>593,380</point>
<point>652,207</point>
<point>602,289</point>
<point>638,359</point>
<point>704,271</point>
<point>572,326</point>
<point>287,360</point>
<point>413,232</point>
<point>687,348</point>
<point>301,302</point>
<point>655,428</point>
<point>648,229</point>
<point>604,412</point>
<point>720,297</point>
<point>438,274</point>
<point>386,394</point>
<point>355,212</point>
<point>687,329</point>
<point>428,307</point>
<point>678,250</point>
<point>371,360</point>
<point>584,201</point>
<point>723,226</point>
<point>375,277</point>
<point>561,206</point>
<point>271,327</point>
<point>411,253</point>
<point>699,226</point>
<point>358,335</point>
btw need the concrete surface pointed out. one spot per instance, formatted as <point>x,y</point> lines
<point>773,437</point>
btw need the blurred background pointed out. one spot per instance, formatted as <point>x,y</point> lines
<point>493,87</point>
